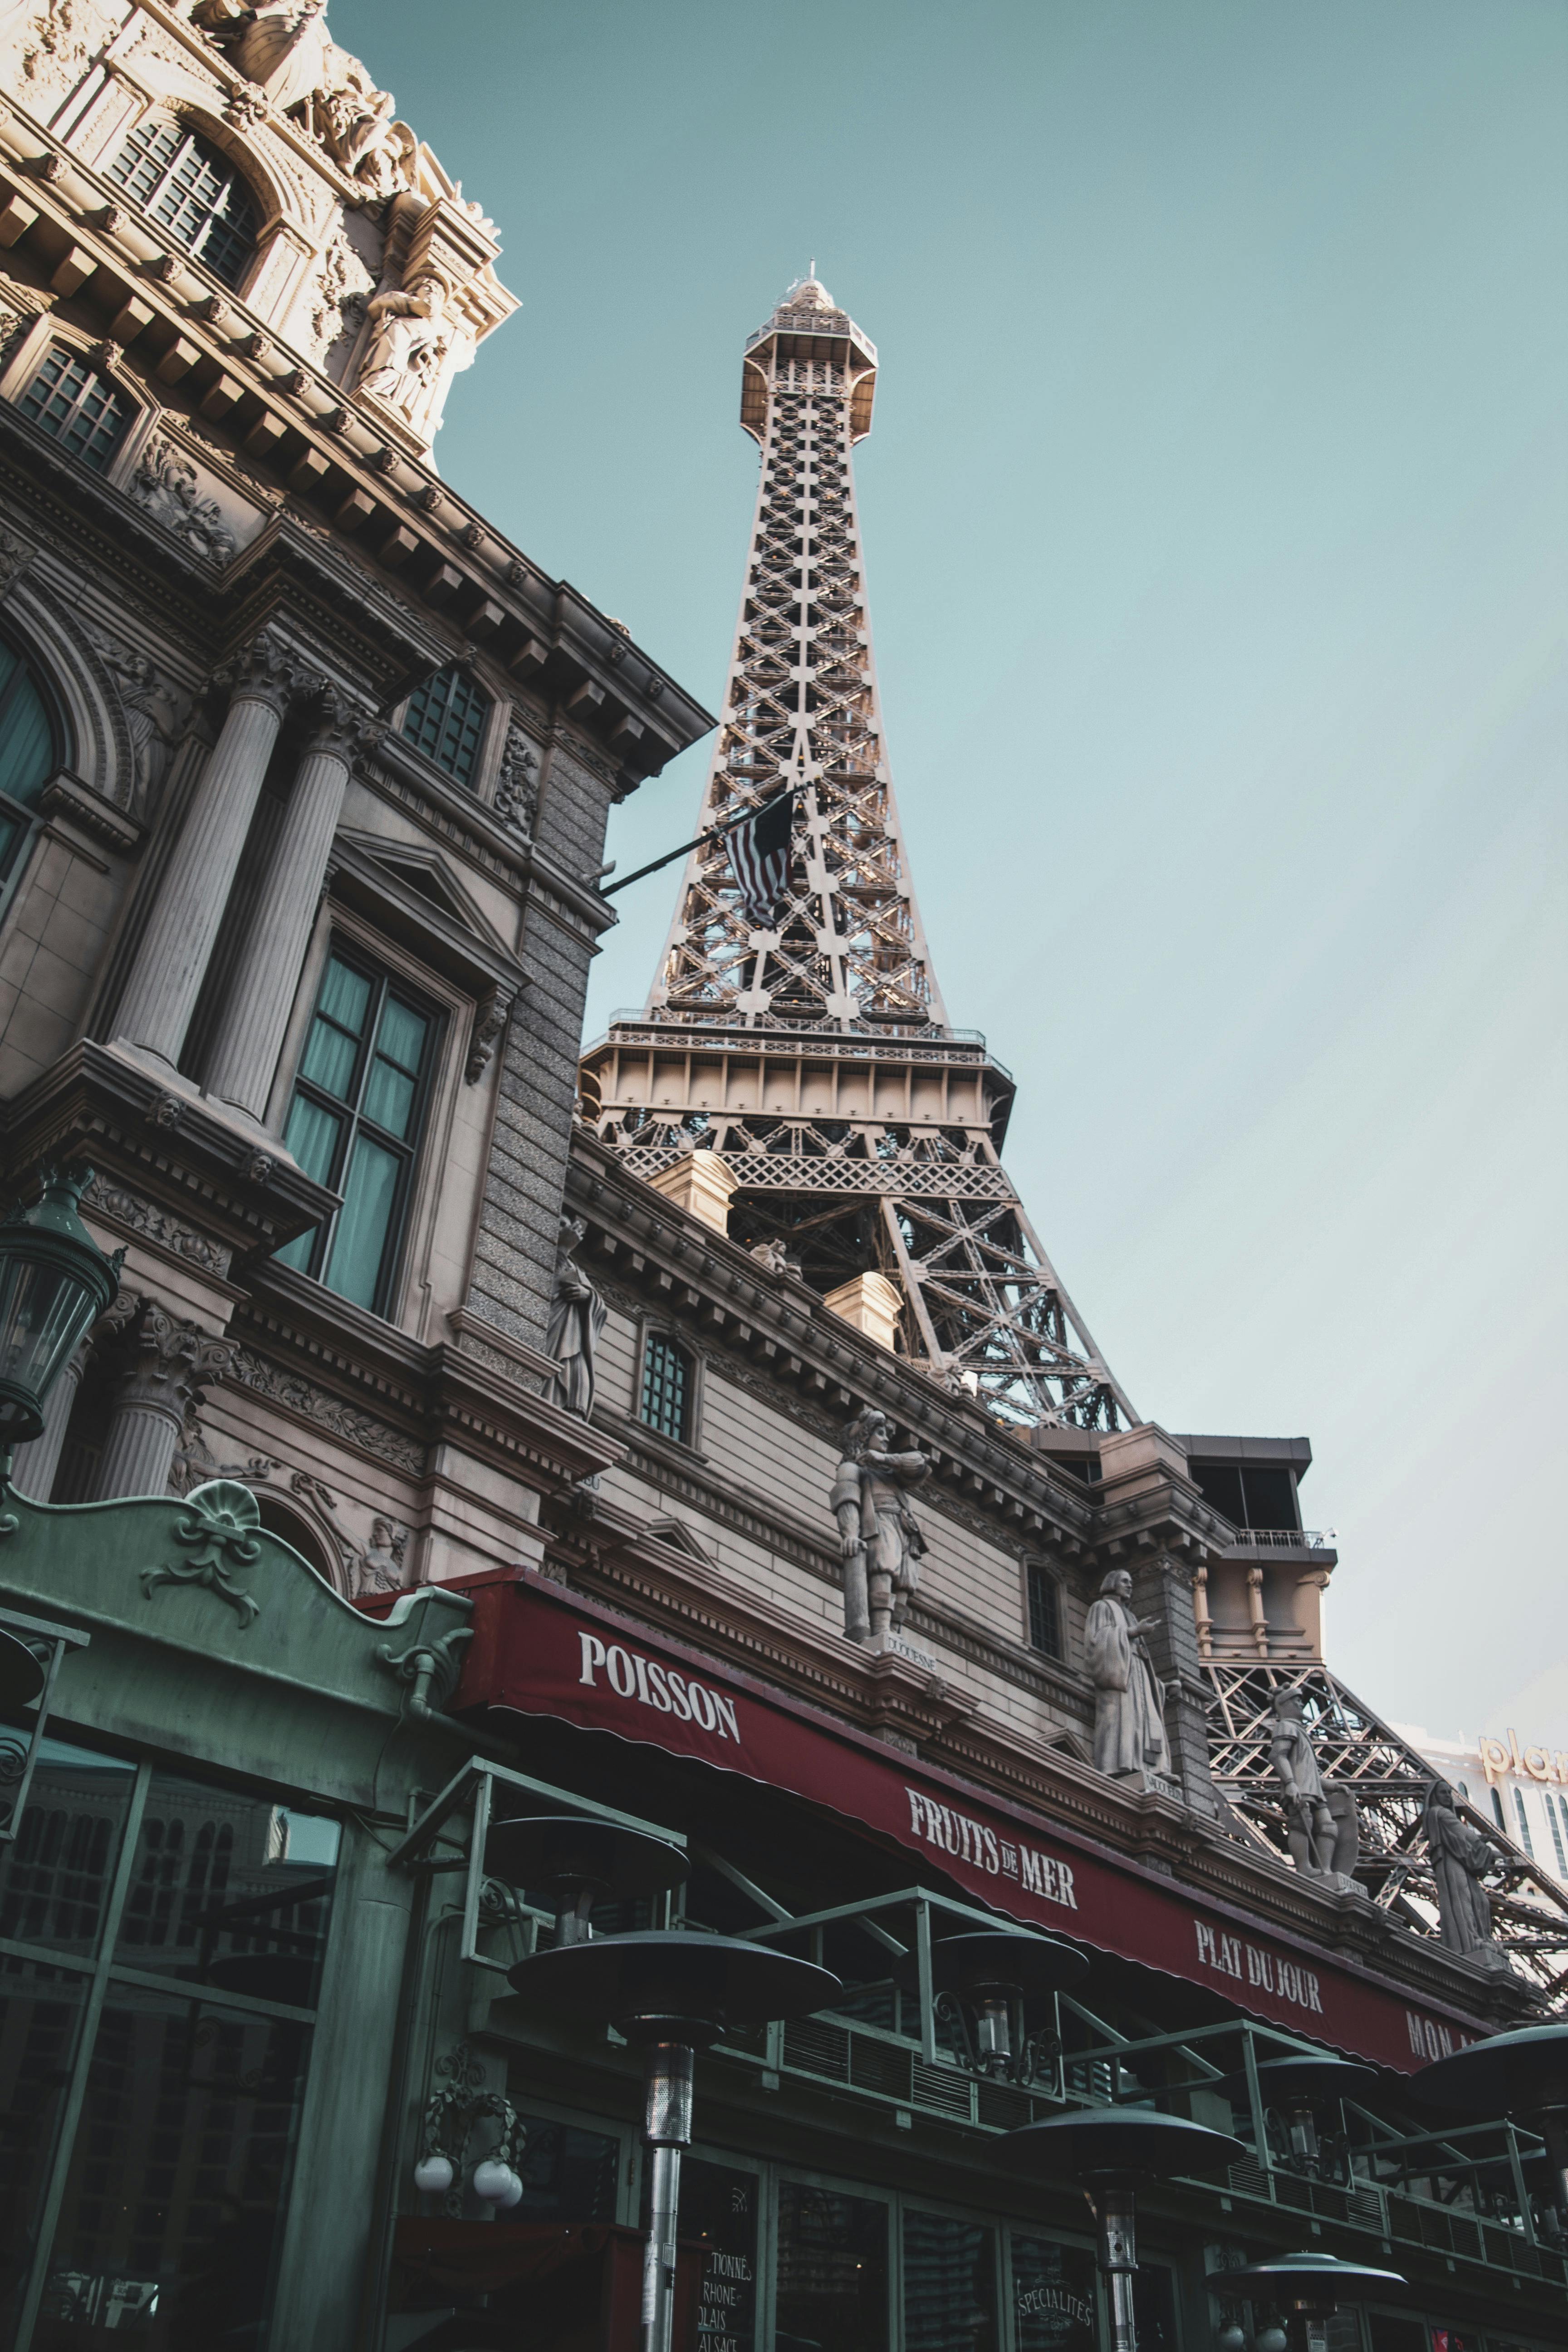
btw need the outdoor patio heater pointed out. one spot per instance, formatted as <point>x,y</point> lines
<point>1307,2290</point>
<point>670,1992</point>
<point>1109,2152</point>
<point>1524,2073</point>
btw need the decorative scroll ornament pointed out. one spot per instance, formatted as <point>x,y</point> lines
<point>220,1532</point>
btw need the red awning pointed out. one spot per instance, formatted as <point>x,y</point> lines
<point>539,1651</point>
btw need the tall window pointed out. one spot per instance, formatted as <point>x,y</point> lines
<point>1045,1611</point>
<point>446,721</point>
<point>359,1101</point>
<point>77,407</point>
<point>193,191</point>
<point>666,1403</point>
<point>30,756</point>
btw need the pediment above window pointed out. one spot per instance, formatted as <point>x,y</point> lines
<point>413,895</point>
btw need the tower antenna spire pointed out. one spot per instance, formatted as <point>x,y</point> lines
<point>862,1131</point>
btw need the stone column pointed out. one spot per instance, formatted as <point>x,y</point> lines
<point>250,1034</point>
<point>164,1367</point>
<point>172,960</point>
<point>34,1465</point>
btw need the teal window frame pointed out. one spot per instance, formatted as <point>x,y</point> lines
<point>71,402</point>
<point>446,718</point>
<point>352,1111</point>
<point>667,1387</point>
<point>191,188</point>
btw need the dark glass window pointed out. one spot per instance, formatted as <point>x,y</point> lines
<point>55,1876</point>
<point>30,756</point>
<point>175,2196</point>
<point>832,2271</point>
<point>1054,2295</point>
<point>77,407</point>
<point>665,1388</point>
<point>1045,1611</point>
<point>1154,2310</point>
<point>193,191</point>
<point>446,721</point>
<point>1253,1495</point>
<point>950,2285</point>
<point>229,1890</point>
<point>359,1102</point>
<point>568,2175</point>
<point>40,2021</point>
<point>718,2211</point>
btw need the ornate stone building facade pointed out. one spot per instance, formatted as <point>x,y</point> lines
<point>700,1441</point>
<point>304,780</point>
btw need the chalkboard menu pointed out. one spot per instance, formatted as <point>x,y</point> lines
<point>719,2209</point>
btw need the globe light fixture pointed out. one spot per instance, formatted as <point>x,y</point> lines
<point>54,1282</point>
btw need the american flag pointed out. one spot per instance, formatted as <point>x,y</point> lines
<point>759,857</point>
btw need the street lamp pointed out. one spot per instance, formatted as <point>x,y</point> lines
<point>1522,2073</point>
<point>670,1994</point>
<point>54,1282</point>
<point>1308,2289</point>
<point>1108,2150</point>
<point>982,1982</point>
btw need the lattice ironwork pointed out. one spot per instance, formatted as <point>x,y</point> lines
<point>922,1197</point>
<point>1354,1747</point>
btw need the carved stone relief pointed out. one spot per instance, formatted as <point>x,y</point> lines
<point>60,40</point>
<point>389,1446</point>
<point>154,713</point>
<point>155,1224</point>
<point>517,784</point>
<point>174,493</point>
<point>337,300</point>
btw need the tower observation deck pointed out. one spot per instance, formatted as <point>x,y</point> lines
<point>865,1133</point>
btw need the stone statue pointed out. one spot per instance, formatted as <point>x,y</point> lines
<point>879,1540</point>
<point>380,1564</point>
<point>1129,1699</point>
<point>1322,1826</point>
<point>577,1316</point>
<point>410,336</point>
<point>283,48</point>
<point>1461,1857</point>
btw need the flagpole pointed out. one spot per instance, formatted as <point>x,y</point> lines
<point>714,832</point>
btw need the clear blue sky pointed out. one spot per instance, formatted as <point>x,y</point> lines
<point>1215,515</point>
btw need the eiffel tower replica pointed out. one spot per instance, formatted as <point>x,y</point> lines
<point>863,1131</point>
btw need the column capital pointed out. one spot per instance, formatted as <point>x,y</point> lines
<point>267,669</point>
<point>162,1363</point>
<point>342,727</point>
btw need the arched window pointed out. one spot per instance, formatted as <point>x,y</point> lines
<point>30,756</point>
<point>191,190</point>
<point>446,721</point>
<point>666,1400</point>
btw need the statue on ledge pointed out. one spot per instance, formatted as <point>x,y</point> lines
<point>1129,1698</point>
<point>1321,1825</point>
<point>577,1317</point>
<point>1461,1858</point>
<point>880,1537</point>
